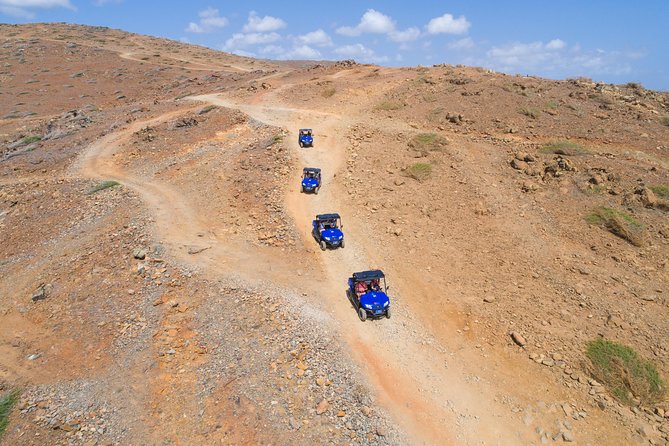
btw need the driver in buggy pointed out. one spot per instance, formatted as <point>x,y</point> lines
<point>375,286</point>
<point>360,289</point>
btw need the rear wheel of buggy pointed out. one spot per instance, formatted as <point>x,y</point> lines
<point>388,313</point>
<point>323,245</point>
<point>362,314</point>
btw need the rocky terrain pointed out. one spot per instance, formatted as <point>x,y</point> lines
<point>160,285</point>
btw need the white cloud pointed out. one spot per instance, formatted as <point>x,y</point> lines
<point>555,44</point>
<point>525,55</point>
<point>24,8</point>
<point>272,50</point>
<point>317,38</point>
<point>241,40</point>
<point>557,59</point>
<point>447,24</point>
<point>372,22</point>
<point>359,52</point>
<point>298,52</point>
<point>303,52</point>
<point>210,21</point>
<point>463,44</point>
<point>257,24</point>
<point>407,35</point>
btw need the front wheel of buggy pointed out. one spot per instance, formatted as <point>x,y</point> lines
<point>362,314</point>
<point>388,313</point>
<point>316,190</point>
<point>342,243</point>
<point>301,144</point>
<point>323,245</point>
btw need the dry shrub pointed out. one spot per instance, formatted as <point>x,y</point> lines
<point>624,372</point>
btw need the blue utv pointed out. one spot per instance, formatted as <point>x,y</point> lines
<point>327,230</point>
<point>367,293</point>
<point>305,138</point>
<point>311,179</point>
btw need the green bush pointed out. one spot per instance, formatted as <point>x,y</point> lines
<point>661,190</point>
<point>618,223</point>
<point>428,142</point>
<point>30,139</point>
<point>419,171</point>
<point>104,185</point>
<point>530,112</point>
<point>664,120</point>
<point>625,373</point>
<point>7,402</point>
<point>389,105</point>
<point>566,148</point>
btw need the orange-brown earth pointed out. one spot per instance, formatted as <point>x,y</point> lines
<point>188,304</point>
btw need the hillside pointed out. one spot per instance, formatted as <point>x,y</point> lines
<point>160,283</point>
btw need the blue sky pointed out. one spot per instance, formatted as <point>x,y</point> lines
<point>613,41</point>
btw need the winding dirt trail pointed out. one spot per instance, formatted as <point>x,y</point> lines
<point>435,398</point>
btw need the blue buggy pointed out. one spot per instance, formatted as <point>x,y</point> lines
<point>305,138</point>
<point>311,179</point>
<point>367,293</point>
<point>327,230</point>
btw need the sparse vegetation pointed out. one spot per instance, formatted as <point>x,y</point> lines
<point>634,85</point>
<point>277,138</point>
<point>30,139</point>
<point>661,190</point>
<point>7,402</point>
<point>618,223</point>
<point>428,141</point>
<point>329,92</point>
<point>567,148</point>
<point>419,171</point>
<point>552,105</point>
<point>530,112</point>
<point>181,96</point>
<point>595,189</point>
<point>103,185</point>
<point>389,105</point>
<point>664,120</point>
<point>627,375</point>
<point>207,109</point>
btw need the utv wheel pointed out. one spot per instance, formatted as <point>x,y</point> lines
<point>302,189</point>
<point>316,190</point>
<point>342,243</point>
<point>323,245</point>
<point>301,144</point>
<point>362,314</point>
<point>388,313</point>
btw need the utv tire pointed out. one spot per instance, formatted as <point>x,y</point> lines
<point>362,314</point>
<point>388,313</point>
<point>342,243</point>
<point>323,245</point>
<point>302,189</point>
<point>301,144</point>
<point>316,190</point>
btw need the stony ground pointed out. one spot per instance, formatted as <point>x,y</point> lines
<point>159,284</point>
